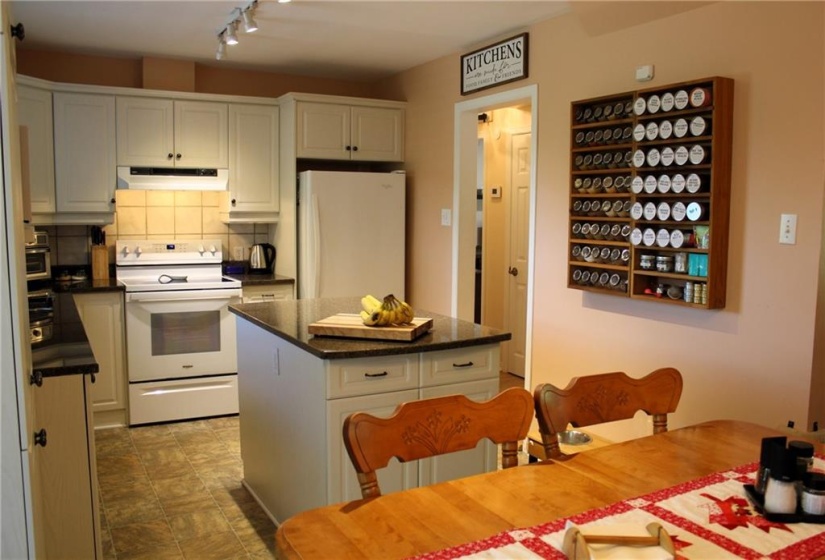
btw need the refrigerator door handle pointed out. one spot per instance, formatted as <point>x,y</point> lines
<point>316,247</point>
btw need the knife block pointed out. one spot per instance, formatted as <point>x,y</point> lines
<point>100,262</point>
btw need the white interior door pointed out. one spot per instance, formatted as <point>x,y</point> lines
<point>519,242</point>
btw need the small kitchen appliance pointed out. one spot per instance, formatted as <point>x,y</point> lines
<point>262,258</point>
<point>181,347</point>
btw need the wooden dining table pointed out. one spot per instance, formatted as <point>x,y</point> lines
<point>432,518</point>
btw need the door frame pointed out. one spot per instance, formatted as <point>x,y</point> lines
<point>465,138</point>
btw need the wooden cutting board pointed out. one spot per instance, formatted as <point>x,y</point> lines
<point>350,325</point>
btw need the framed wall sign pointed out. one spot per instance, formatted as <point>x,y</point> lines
<point>496,64</point>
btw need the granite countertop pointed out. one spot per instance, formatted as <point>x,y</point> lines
<point>289,320</point>
<point>261,279</point>
<point>68,352</point>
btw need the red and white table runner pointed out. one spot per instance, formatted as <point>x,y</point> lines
<point>710,517</point>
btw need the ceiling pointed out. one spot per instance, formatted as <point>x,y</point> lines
<point>359,41</point>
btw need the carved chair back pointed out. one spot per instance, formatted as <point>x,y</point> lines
<point>606,397</point>
<point>429,427</point>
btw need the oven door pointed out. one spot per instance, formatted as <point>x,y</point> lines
<point>177,334</point>
<point>38,263</point>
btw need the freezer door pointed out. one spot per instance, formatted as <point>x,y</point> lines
<point>351,234</point>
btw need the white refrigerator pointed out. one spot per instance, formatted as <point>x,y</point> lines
<point>351,230</point>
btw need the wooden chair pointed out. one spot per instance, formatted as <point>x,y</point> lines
<point>436,426</point>
<point>594,399</point>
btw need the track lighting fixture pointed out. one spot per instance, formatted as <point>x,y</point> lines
<point>228,36</point>
<point>249,24</point>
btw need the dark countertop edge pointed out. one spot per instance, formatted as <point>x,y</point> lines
<point>261,279</point>
<point>388,351</point>
<point>87,287</point>
<point>59,371</point>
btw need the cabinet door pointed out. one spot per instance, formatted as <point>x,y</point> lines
<point>377,134</point>
<point>323,131</point>
<point>268,292</point>
<point>461,463</point>
<point>34,111</point>
<point>253,158</point>
<point>201,134</point>
<point>102,316</point>
<point>145,132</point>
<point>342,482</point>
<point>66,499</point>
<point>84,145</point>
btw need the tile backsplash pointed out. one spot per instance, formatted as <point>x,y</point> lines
<point>158,215</point>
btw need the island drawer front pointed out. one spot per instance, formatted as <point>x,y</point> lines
<point>369,376</point>
<point>457,366</point>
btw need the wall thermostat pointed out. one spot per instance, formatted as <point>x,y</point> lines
<point>495,192</point>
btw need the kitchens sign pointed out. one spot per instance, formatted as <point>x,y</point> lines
<point>494,65</point>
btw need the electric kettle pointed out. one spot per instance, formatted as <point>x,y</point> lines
<point>262,258</point>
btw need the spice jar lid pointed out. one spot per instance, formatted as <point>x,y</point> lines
<point>801,448</point>
<point>815,481</point>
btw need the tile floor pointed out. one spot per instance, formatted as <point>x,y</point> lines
<point>174,491</point>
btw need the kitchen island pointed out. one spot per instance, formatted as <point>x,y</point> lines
<point>295,389</point>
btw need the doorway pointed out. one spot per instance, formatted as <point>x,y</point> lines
<point>465,236</point>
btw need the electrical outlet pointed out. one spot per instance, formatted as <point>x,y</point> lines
<point>787,229</point>
<point>238,253</point>
<point>446,217</point>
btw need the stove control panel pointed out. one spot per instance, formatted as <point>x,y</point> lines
<point>150,251</point>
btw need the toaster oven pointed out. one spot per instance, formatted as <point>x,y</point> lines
<point>38,257</point>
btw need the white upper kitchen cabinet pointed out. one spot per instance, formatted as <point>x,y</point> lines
<point>34,111</point>
<point>350,132</point>
<point>84,152</point>
<point>155,132</point>
<point>253,163</point>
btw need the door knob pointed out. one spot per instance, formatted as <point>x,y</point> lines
<point>512,270</point>
<point>40,437</point>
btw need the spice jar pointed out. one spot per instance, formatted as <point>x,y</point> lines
<point>813,494</point>
<point>646,262</point>
<point>664,263</point>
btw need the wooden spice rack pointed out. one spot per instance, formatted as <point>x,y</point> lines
<point>650,178</point>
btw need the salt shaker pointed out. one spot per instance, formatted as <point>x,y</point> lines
<point>780,495</point>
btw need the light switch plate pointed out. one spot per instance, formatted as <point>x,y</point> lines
<point>787,229</point>
<point>446,217</point>
<point>495,192</point>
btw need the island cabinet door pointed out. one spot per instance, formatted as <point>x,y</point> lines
<point>342,482</point>
<point>461,463</point>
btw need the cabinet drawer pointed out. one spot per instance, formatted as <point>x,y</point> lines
<point>367,376</point>
<point>456,366</point>
<point>267,292</point>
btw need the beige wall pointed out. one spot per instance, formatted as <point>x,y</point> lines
<point>751,361</point>
<point>174,75</point>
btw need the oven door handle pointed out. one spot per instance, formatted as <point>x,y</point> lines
<point>180,296</point>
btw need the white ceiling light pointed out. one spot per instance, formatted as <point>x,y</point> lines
<point>249,24</point>
<point>229,34</point>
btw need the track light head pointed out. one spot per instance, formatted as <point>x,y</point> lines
<point>220,54</point>
<point>229,34</point>
<point>249,24</point>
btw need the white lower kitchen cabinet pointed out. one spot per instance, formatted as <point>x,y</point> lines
<point>267,292</point>
<point>102,316</point>
<point>293,404</point>
<point>63,469</point>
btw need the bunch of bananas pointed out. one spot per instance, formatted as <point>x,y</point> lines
<point>390,311</point>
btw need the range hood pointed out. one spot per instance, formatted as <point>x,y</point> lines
<point>172,178</point>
